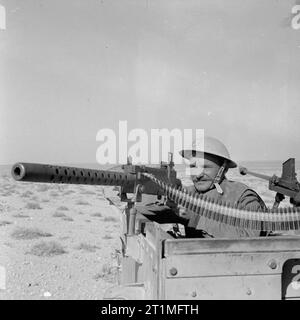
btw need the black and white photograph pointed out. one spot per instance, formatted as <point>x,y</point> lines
<point>150,150</point>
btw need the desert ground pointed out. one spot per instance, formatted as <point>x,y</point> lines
<point>60,241</point>
<point>57,241</point>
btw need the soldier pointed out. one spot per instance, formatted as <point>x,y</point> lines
<point>208,168</point>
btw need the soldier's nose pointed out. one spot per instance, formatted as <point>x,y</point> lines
<point>199,176</point>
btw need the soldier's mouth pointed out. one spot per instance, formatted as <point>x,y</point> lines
<point>200,181</point>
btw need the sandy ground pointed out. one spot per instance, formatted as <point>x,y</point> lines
<point>60,241</point>
<point>56,241</point>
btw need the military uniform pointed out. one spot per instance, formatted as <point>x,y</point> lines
<point>236,194</point>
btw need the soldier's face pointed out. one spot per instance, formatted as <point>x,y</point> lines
<point>203,172</point>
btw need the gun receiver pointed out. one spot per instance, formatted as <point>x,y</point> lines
<point>286,185</point>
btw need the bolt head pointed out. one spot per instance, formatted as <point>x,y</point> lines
<point>173,271</point>
<point>272,264</point>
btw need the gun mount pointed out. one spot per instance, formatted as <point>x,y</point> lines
<point>286,185</point>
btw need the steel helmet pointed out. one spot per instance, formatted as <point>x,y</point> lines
<point>212,146</point>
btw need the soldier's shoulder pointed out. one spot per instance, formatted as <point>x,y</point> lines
<point>244,191</point>
<point>237,185</point>
<point>248,197</point>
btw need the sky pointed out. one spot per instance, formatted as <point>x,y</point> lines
<point>69,68</point>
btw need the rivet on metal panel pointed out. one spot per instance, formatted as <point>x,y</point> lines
<point>173,271</point>
<point>272,264</point>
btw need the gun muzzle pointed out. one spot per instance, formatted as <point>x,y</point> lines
<point>18,171</point>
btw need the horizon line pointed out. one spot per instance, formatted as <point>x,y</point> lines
<point>116,164</point>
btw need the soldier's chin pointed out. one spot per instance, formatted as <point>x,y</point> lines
<point>202,186</point>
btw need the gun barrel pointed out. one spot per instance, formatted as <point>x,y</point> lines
<point>245,171</point>
<point>35,172</point>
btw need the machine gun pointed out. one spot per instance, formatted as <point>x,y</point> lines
<point>162,181</point>
<point>286,185</point>
<point>132,180</point>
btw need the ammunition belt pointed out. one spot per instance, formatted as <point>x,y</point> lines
<point>280,219</point>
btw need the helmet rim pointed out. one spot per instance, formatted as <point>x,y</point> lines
<point>214,147</point>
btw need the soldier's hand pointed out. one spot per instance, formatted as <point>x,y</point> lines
<point>171,204</point>
<point>178,209</point>
<point>184,213</point>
